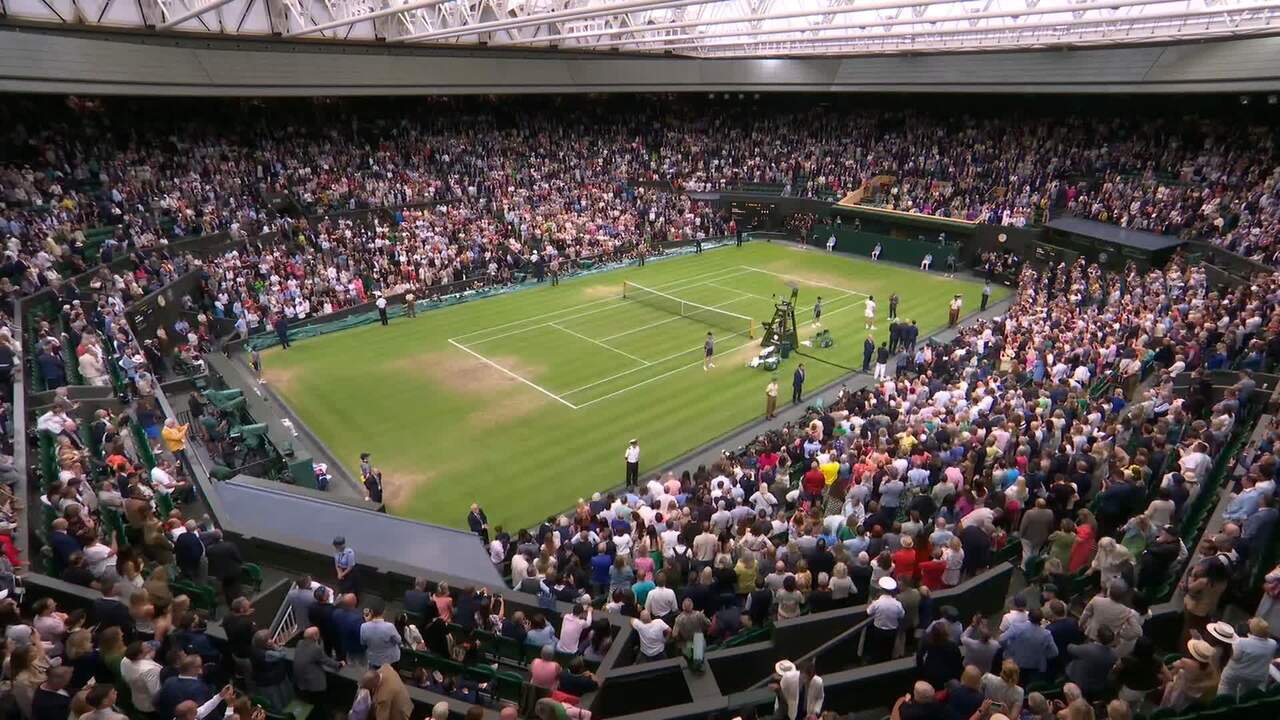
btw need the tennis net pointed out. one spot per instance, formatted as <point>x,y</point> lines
<point>715,317</point>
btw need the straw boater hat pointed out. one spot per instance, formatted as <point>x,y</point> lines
<point>888,584</point>
<point>784,666</point>
<point>1222,631</point>
<point>1200,650</point>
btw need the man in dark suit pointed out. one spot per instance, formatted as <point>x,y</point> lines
<point>912,332</point>
<point>240,627</point>
<point>515,627</point>
<point>51,701</point>
<point>420,603</point>
<point>189,551</point>
<point>52,369</point>
<point>346,625</point>
<point>321,616</point>
<point>110,611</point>
<point>63,545</point>
<point>188,684</point>
<point>282,331</point>
<point>225,565</point>
<point>868,351</point>
<point>479,523</point>
<point>7,361</point>
<point>311,667</point>
<point>797,383</point>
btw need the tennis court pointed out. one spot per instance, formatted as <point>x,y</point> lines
<point>534,394</point>
<point>645,334</point>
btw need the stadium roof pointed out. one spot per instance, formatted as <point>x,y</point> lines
<point>1139,239</point>
<point>697,28</point>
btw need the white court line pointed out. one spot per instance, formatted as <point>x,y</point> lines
<point>656,377</point>
<point>530,383</point>
<point>806,282</point>
<point>741,296</point>
<point>527,328</point>
<point>589,304</point>
<point>809,312</point>
<point>659,361</point>
<point>775,298</point>
<point>601,344</point>
<point>745,269</point>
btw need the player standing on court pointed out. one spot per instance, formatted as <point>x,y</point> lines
<point>817,312</point>
<point>870,313</point>
<point>708,351</point>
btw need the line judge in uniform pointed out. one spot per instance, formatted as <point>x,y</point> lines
<point>381,302</point>
<point>632,456</point>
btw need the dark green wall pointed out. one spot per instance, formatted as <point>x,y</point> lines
<point>893,249</point>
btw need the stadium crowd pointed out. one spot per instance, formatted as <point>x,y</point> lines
<point>501,185</point>
<point>1036,428</point>
<point>999,439</point>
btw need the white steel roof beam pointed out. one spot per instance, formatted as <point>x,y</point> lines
<point>966,44</point>
<point>580,13</point>
<point>866,24</point>
<point>783,15</point>
<point>190,13</point>
<point>1268,13</point>
<point>391,9</point>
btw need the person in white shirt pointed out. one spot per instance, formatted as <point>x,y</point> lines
<point>519,569</point>
<point>869,312</point>
<point>98,558</point>
<point>653,636</point>
<point>886,614</point>
<point>1017,614</point>
<point>661,601</point>
<point>632,456</point>
<point>572,627</point>
<point>141,673</point>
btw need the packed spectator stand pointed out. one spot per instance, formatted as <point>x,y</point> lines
<point>1062,436</point>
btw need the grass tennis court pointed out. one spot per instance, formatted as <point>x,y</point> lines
<point>524,402</point>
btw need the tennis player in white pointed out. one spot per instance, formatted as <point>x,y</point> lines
<point>709,351</point>
<point>870,312</point>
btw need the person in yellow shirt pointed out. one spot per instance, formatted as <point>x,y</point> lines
<point>175,435</point>
<point>830,469</point>
<point>175,438</point>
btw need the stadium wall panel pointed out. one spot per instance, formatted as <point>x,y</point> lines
<point>49,59</point>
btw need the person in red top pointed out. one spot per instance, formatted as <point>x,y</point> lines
<point>931,571</point>
<point>904,559</point>
<point>767,461</point>
<point>813,482</point>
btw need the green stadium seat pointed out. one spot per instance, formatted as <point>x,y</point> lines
<point>299,709</point>
<point>202,597</point>
<point>164,504</point>
<point>251,575</point>
<point>507,686</point>
<point>511,650</point>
